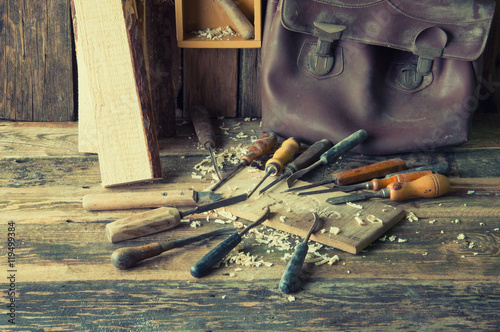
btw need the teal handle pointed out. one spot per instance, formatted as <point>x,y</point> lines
<point>290,281</point>
<point>343,146</point>
<point>214,256</point>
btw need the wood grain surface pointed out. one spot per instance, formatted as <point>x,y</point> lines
<point>439,272</point>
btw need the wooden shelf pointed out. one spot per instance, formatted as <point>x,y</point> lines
<point>196,15</point>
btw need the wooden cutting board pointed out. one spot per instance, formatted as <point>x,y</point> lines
<point>293,214</point>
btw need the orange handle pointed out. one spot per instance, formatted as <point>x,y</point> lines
<point>261,147</point>
<point>369,172</point>
<point>429,186</point>
<point>282,156</point>
<point>403,177</point>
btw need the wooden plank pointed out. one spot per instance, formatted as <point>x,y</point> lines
<point>126,134</point>
<point>342,305</point>
<point>249,97</point>
<point>293,214</point>
<point>36,58</point>
<point>211,80</point>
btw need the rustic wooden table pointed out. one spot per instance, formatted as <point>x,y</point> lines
<point>56,259</point>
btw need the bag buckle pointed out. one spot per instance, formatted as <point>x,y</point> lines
<point>429,44</point>
<point>322,60</point>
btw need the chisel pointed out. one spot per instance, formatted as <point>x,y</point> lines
<point>359,174</point>
<point>205,132</point>
<point>429,186</point>
<point>203,266</point>
<point>290,281</point>
<point>338,149</point>
<point>281,157</point>
<point>159,220</point>
<point>125,258</point>
<point>258,149</point>
<point>375,184</point>
<point>306,159</point>
<point>147,199</point>
<point>441,168</point>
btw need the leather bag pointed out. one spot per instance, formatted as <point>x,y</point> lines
<point>405,71</point>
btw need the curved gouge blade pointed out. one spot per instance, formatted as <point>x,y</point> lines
<point>216,205</point>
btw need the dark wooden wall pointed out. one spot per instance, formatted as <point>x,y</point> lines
<point>38,71</point>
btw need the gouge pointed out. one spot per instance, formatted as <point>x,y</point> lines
<point>281,157</point>
<point>290,281</point>
<point>304,160</point>
<point>338,149</point>
<point>203,266</point>
<point>359,174</point>
<point>258,149</point>
<point>375,184</point>
<point>205,132</point>
<point>147,199</point>
<point>241,23</point>
<point>429,186</point>
<point>125,258</point>
<point>158,220</point>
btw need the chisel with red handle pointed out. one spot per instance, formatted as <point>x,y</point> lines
<point>359,174</point>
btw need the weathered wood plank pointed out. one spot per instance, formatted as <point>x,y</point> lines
<point>361,304</point>
<point>37,63</point>
<point>249,97</point>
<point>211,80</point>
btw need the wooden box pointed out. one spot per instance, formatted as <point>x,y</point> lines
<point>198,15</point>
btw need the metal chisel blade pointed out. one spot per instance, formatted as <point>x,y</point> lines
<point>351,198</point>
<point>208,196</point>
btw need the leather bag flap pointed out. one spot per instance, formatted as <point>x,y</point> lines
<point>399,24</point>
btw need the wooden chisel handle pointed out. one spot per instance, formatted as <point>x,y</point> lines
<point>138,200</point>
<point>241,23</point>
<point>261,147</point>
<point>203,126</point>
<point>429,186</point>
<point>143,224</point>
<point>369,172</point>
<point>378,184</point>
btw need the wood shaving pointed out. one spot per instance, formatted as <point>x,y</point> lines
<point>291,298</point>
<point>400,240</point>
<point>371,218</point>
<point>392,238</point>
<point>359,221</point>
<point>411,217</point>
<point>357,206</point>
<point>195,224</point>
<point>334,230</point>
<point>215,34</point>
<point>461,236</point>
<point>245,259</point>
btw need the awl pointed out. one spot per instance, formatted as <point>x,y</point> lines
<point>258,149</point>
<point>125,258</point>
<point>148,199</point>
<point>159,220</point>
<point>359,174</point>
<point>306,159</point>
<point>375,184</point>
<point>338,150</point>
<point>429,186</point>
<point>281,157</point>
<point>203,266</point>
<point>205,132</point>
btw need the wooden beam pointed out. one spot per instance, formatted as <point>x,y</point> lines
<point>110,47</point>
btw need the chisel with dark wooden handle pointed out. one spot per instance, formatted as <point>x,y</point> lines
<point>359,174</point>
